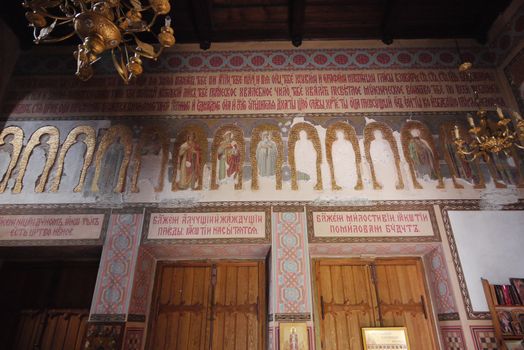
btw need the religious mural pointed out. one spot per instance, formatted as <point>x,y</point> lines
<point>131,158</point>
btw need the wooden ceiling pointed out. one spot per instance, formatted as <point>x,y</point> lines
<point>208,21</point>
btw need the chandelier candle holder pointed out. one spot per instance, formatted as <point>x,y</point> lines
<point>103,25</point>
<point>490,136</point>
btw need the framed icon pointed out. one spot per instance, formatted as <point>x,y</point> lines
<point>293,336</point>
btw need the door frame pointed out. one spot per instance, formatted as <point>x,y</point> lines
<point>262,290</point>
<point>361,261</point>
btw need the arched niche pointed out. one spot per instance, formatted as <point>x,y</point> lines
<point>72,138</point>
<point>190,151</point>
<point>458,167</point>
<point>266,135</point>
<point>387,134</point>
<point>416,137</point>
<point>312,136</point>
<point>116,133</point>
<point>16,144</point>
<point>228,154</point>
<point>351,136</point>
<point>151,134</point>
<point>35,141</point>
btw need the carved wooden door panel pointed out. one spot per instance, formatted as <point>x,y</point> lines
<point>238,306</point>
<point>352,294</point>
<point>403,300</point>
<point>203,306</point>
<point>346,302</point>
<point>181,312</point>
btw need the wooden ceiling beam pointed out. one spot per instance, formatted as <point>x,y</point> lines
<point>297,10</point>
<point>202,21</point>
<point>386,25</point>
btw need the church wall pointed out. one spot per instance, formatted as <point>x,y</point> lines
<point>331,128</point>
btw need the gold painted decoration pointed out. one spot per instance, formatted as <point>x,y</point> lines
<point>227,156</point>
<point>35,141</point>
<point>188,159</point>
<point>420,152</point>
<point>387,133</point>
<point>116,133</point>
<point>267,154</point>
<point>151,135</point>
<point>312,135</point>
<point>72,138</point>
<point>349,135</point>
<point>458,167</point>
<point>16,148</point>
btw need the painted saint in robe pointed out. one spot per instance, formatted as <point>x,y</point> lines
<point>306,158</point>
<point>188,163</point>
<point>266,155</point>
<point>422,156</point>
<point>228,158</point>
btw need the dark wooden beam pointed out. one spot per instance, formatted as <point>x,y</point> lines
<point>202,21</point>
<point>386,25</point>
<point>297,10</point>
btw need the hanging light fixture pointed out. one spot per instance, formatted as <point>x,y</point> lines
<point>488,136</point>
<point>103,25</point>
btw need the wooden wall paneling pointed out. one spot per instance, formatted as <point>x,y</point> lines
<point>404,301</point>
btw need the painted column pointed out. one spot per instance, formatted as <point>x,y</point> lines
<point>290,289</point>
<point>113,292</point>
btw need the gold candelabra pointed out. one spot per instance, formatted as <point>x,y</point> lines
<point>490,136</point>
<point>103,25</point>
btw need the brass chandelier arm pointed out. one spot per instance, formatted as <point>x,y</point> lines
<point>57,40</point>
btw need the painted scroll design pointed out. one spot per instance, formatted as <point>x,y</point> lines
<point>35,141</point>
<point>151,134</point>
<point>414,145</point>
<point>351,136</point>
<point>188,159</point>
<point>453,160</point>
<point>312,136</point>
<point>16,145</point>
<point>268,136</point>
<point>114,134</point>
<point>228,154</point>
<point>72,138</point>
<point>388,136</point>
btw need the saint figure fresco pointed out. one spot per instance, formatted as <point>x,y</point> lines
<point>228,158</point>
<point>189,163</point>
<point>266,155</point>
<point>422,156</point>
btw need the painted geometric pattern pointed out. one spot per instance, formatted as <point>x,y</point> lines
<point>350,58</point>
<point>484,337</point>
<point>144,271</point>
<point>439,279</point>
<point>112,291</point>
<point>509,37</point>
<point>290,263</point>
<point>133,339</point>
<point>453,338</point>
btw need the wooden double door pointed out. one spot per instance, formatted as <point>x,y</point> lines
<point>352,294</point>
<point>205,305</point>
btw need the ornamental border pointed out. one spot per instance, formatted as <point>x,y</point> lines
<point>208,209</point>
<point>310,209</point>
<point>44,210</point>
<point>470,312</point>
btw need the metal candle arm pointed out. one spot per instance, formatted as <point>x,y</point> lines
<point>103,25</point>
<point>489,139</point>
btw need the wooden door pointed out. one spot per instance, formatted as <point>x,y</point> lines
<point>209,306</point>
<point>182,306</point>
<point>403,300</point>
<point>352,294</point>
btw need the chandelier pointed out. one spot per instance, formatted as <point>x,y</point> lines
<point>103,26</point>
<point>490,135</point>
